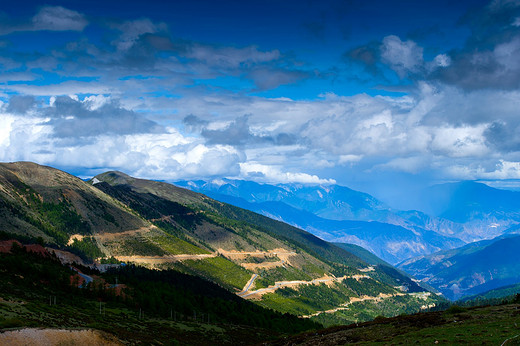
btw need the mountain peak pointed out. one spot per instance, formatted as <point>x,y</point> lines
<point>114,178</point>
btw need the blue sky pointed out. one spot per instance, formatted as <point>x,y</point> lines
<point>377,95</point>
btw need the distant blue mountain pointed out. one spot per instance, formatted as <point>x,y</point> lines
<point>464,201</point>
<point>392,242</point>
<point>450,216</point>
<point>472,269</point>
<point>329,201</point>
<point>482,211</point>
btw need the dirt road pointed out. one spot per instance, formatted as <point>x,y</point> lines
<point>280,284</point>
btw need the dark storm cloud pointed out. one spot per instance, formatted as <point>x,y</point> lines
<point>489,59</point>
<point>238,133</point>
<point>504,137</point>
<point>20,104</point>
<point>144,48</point>
<point>269,78</point>
<point>194,123</point>
<point>72,118</point>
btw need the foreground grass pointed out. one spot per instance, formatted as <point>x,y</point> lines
<point>147,306</point>
<point>492,325</point>
<point>125,324</point>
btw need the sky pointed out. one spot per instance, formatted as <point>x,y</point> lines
<point>381,96</point>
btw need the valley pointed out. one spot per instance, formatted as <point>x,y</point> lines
<point>115,221</point>
<point>436,248</point>
<point>197,172</point>
<point>115,218</point>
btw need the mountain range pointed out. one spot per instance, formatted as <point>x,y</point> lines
<point>117,218</point>
<point>340,214</point>
<point>472,269</point>
<point>429,242</point>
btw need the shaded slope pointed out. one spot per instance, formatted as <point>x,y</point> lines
<point>394,237</point>
<point>146,306</point>
<point>115,217</point>
<point>472,269</point>
<point>313,257</point>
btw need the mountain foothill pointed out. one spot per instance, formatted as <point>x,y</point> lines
<point>305,256</point>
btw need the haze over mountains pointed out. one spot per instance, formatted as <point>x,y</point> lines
<point>472,269</point>
<point>158,225</point>
<point>153,222</point>
<point>427,242</point>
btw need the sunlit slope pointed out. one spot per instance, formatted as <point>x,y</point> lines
<point>38,201</point>
<point>157,225</point>
<point>287,268</point>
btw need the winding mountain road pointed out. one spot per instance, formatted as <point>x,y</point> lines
<point>280,284</point>
<point>248,285</point>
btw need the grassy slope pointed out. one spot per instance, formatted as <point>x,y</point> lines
<point>36,291</point>
<point>482,325</point>
<point>127,216</point>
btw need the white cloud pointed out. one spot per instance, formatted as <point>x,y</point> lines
<point>402,56</point>
<point>256,171</point>
<point>158,156</point>
<point>343,159</point>
<point>460,141</point>
<point>504,170</point>
<point>441,60</point>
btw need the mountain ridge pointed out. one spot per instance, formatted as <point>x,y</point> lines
<point>472,269</point>
<point>165,227</point>
<point>392,235</point>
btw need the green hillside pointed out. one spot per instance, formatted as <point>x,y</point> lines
<point>117,218</point>
<point>488,325</point>
<point>151,307</point>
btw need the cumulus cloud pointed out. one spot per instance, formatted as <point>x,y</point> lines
<point>444,125</point>
<point>165,155</point>
<point>251,170</point>
<point>403,57</point>
<point>21,104</point>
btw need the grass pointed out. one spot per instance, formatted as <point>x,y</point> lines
<point>481,325</point>
<point>140,246</point>
<point>368,310</point>
<point>174,245</point>
<point>218,269</point>
<point>37,291</point>
<point>271,275</point>
<point>286,304</point>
